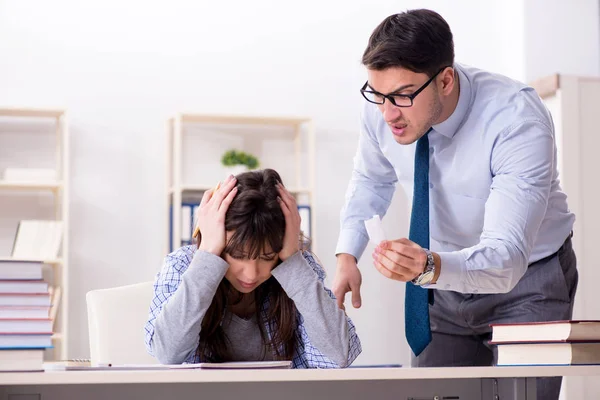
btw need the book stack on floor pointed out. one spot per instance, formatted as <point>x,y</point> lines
<point>547,343</point>
<point>25,323</point>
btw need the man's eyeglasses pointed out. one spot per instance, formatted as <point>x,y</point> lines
<point>399,100</point>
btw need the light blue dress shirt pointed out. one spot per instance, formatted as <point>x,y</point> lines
<point>495,200</point>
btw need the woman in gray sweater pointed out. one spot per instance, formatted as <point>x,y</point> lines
<point>248,291</point>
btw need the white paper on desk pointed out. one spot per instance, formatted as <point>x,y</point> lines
<point>242,365</point>
<point>144,367</point>
<point>49,367</point>
<point>375,230</point>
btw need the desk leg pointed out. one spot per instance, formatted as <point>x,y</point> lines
<point>509,389</point>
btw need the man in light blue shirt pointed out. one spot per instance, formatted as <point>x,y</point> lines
<point>495,222</point>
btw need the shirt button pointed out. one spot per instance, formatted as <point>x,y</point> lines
<point>447,286</point>
<point>431,186</point>
<point>475,291</point>
<point>431,150</point>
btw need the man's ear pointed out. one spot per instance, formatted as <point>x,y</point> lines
<point>448,80</point>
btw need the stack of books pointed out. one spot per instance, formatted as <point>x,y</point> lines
<point>25,323</point>
<point>547,343</point>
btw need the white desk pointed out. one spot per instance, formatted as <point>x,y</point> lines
<point>466,383</point>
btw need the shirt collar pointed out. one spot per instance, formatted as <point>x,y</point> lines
<point>449,127</point>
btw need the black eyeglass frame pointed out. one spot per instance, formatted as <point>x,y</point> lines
<point>390,97</point>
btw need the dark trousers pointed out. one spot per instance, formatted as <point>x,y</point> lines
<point>460,322</point>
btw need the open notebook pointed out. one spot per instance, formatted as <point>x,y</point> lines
<point>62,366</point>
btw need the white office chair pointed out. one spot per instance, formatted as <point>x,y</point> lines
<point>116,319</point>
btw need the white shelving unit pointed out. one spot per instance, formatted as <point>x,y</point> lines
<point>196,142</point>
<point>574,102</point>
<point>60,192</point>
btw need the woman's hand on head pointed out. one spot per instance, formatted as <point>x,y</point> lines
<point>291,240</point>
<point>211,216</point>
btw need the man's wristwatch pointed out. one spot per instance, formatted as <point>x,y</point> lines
<point>429,272</point>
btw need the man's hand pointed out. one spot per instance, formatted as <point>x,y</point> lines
<point>402,260</point>
<point>347,279</point>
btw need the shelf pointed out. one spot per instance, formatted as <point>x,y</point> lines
<point>250,133</point>
<point>46,185</point>
<point>30,112</point>
<point>56,261</point>
<point>194,188</point>
<point>242,120</point>
<point>203,188</point>
<point>24,185</point>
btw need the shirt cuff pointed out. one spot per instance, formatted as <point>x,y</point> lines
<point>453,266</point>
<point>352,242</point>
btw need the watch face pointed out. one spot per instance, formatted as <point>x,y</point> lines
<point>425,278</point>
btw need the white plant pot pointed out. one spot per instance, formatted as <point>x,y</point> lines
<point>235,170</point>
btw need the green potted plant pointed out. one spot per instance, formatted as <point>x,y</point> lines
<point>236,162</point>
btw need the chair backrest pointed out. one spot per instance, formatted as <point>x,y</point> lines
<point>116,319</point>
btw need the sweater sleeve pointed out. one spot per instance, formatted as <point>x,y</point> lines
<point>328,336</point>
<point>183,292</point>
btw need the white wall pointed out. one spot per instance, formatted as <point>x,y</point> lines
<point>562,37</point>
<point>122,68</point>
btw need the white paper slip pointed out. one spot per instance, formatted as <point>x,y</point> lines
<point>375,230</point>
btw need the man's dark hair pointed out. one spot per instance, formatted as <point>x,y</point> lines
<point>417,40</point>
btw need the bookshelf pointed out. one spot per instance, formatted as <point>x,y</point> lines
<point>53,186</point>
<point>54,261</point>
<point>54,122</point>
<point>196,142</point>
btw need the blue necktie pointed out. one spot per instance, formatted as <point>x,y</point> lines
<point>416,303</point>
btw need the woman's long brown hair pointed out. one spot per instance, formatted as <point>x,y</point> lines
<point>257,221</point>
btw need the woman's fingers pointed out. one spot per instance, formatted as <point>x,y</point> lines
<point>227,201</point>
<point>287,198</point>
<point>222,192</point>
<point>284,207</point>
<point>206,197</point>
<point>285,194</point>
